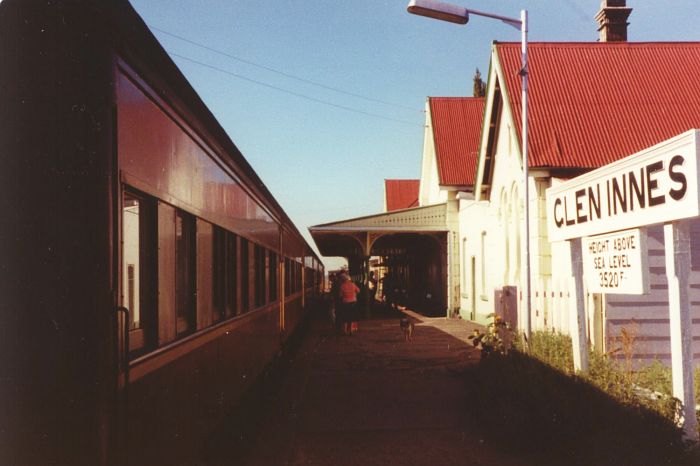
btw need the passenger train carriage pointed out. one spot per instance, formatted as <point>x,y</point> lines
<point>149,276</point>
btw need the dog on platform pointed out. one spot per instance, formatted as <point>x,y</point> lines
<point>407,327</point>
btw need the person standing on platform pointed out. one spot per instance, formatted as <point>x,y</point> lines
<point>336,304</point>
<point>372,286</point>
<point>388,286</point>
<point>348,296</point>
<point>334,301</point>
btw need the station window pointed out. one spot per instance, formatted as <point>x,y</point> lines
<point>138,258</point>
<point>464,265</point>
<point>245,276</point>
<point>483,266</point>
<point>274,270</point>
<point>185,278</point>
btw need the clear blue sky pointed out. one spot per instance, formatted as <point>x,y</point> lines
<point>324,163</point>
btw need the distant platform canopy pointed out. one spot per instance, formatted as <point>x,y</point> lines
<point>358,236</point>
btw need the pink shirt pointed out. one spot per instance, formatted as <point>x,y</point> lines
<point>348,292</point>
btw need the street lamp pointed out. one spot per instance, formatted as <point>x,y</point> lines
<point>460,15</point>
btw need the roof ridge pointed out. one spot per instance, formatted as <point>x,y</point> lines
<point>455,98</point>
<point>600,44</point>
<point>593,103</point>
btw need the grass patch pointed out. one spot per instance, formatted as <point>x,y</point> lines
<point>552,418</point>
<point>553,349</point>
<point>535,403</point>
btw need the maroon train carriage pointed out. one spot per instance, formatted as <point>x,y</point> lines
<point>149,276</point>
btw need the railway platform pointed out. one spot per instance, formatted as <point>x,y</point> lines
<point>368,399</point>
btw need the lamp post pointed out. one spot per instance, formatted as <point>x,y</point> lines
<point>460,15</point>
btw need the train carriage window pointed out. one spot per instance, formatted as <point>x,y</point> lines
<point>185,257</point>
<point>245,276</point>
<point>138,258</point>
<point>219,275</point>
<point>135,319</point>
<point>224,270</point>
<point>274,270</point>
<point>287,277</point>
<point>231,275</point>
<point>259,270</point>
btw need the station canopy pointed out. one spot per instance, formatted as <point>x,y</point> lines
<point>358,236</point>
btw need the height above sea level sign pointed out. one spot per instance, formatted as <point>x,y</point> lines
<point>616,262</point>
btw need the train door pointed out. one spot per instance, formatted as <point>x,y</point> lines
<point>127,279</point>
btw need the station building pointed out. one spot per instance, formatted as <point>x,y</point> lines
<point>591,104</point>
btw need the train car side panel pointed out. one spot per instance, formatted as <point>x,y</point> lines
<point>159,156</point>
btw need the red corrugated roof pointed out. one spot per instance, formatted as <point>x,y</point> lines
<point>456,131</point>
<point>401,194</point>
<point>593,103</point>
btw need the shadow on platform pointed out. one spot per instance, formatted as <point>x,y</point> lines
<point>373,399</point>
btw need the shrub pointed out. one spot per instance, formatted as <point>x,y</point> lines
<point>617,379</point>
<point>497,339</point>
<point>555,418</point>
<point>553,349</point>
<point>656,377</point>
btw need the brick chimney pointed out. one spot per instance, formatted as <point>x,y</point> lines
<point>612,20</point>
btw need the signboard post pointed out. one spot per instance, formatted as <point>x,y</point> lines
<point>578,338</point>
<point>677,245</point>
<point>657,185</point>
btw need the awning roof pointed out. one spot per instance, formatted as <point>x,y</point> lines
<point>354,236</point>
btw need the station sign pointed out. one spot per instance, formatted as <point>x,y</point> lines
<point>616,262</point>
<point>657,185</point>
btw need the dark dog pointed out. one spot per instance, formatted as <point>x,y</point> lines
<point>407,327</point>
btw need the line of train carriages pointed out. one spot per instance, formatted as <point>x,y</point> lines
<point>150,276</point>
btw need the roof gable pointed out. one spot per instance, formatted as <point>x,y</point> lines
<point>593,103</point>
<point>456,124</point>
<point>401,194</point>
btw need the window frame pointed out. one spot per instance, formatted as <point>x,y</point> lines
<point>273,264</point>
<point>185,273</point>
<point>144,337</point>
<point>244,273</point>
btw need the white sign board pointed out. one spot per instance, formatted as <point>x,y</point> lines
<point>657,185</point>
<point>616,262</point>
